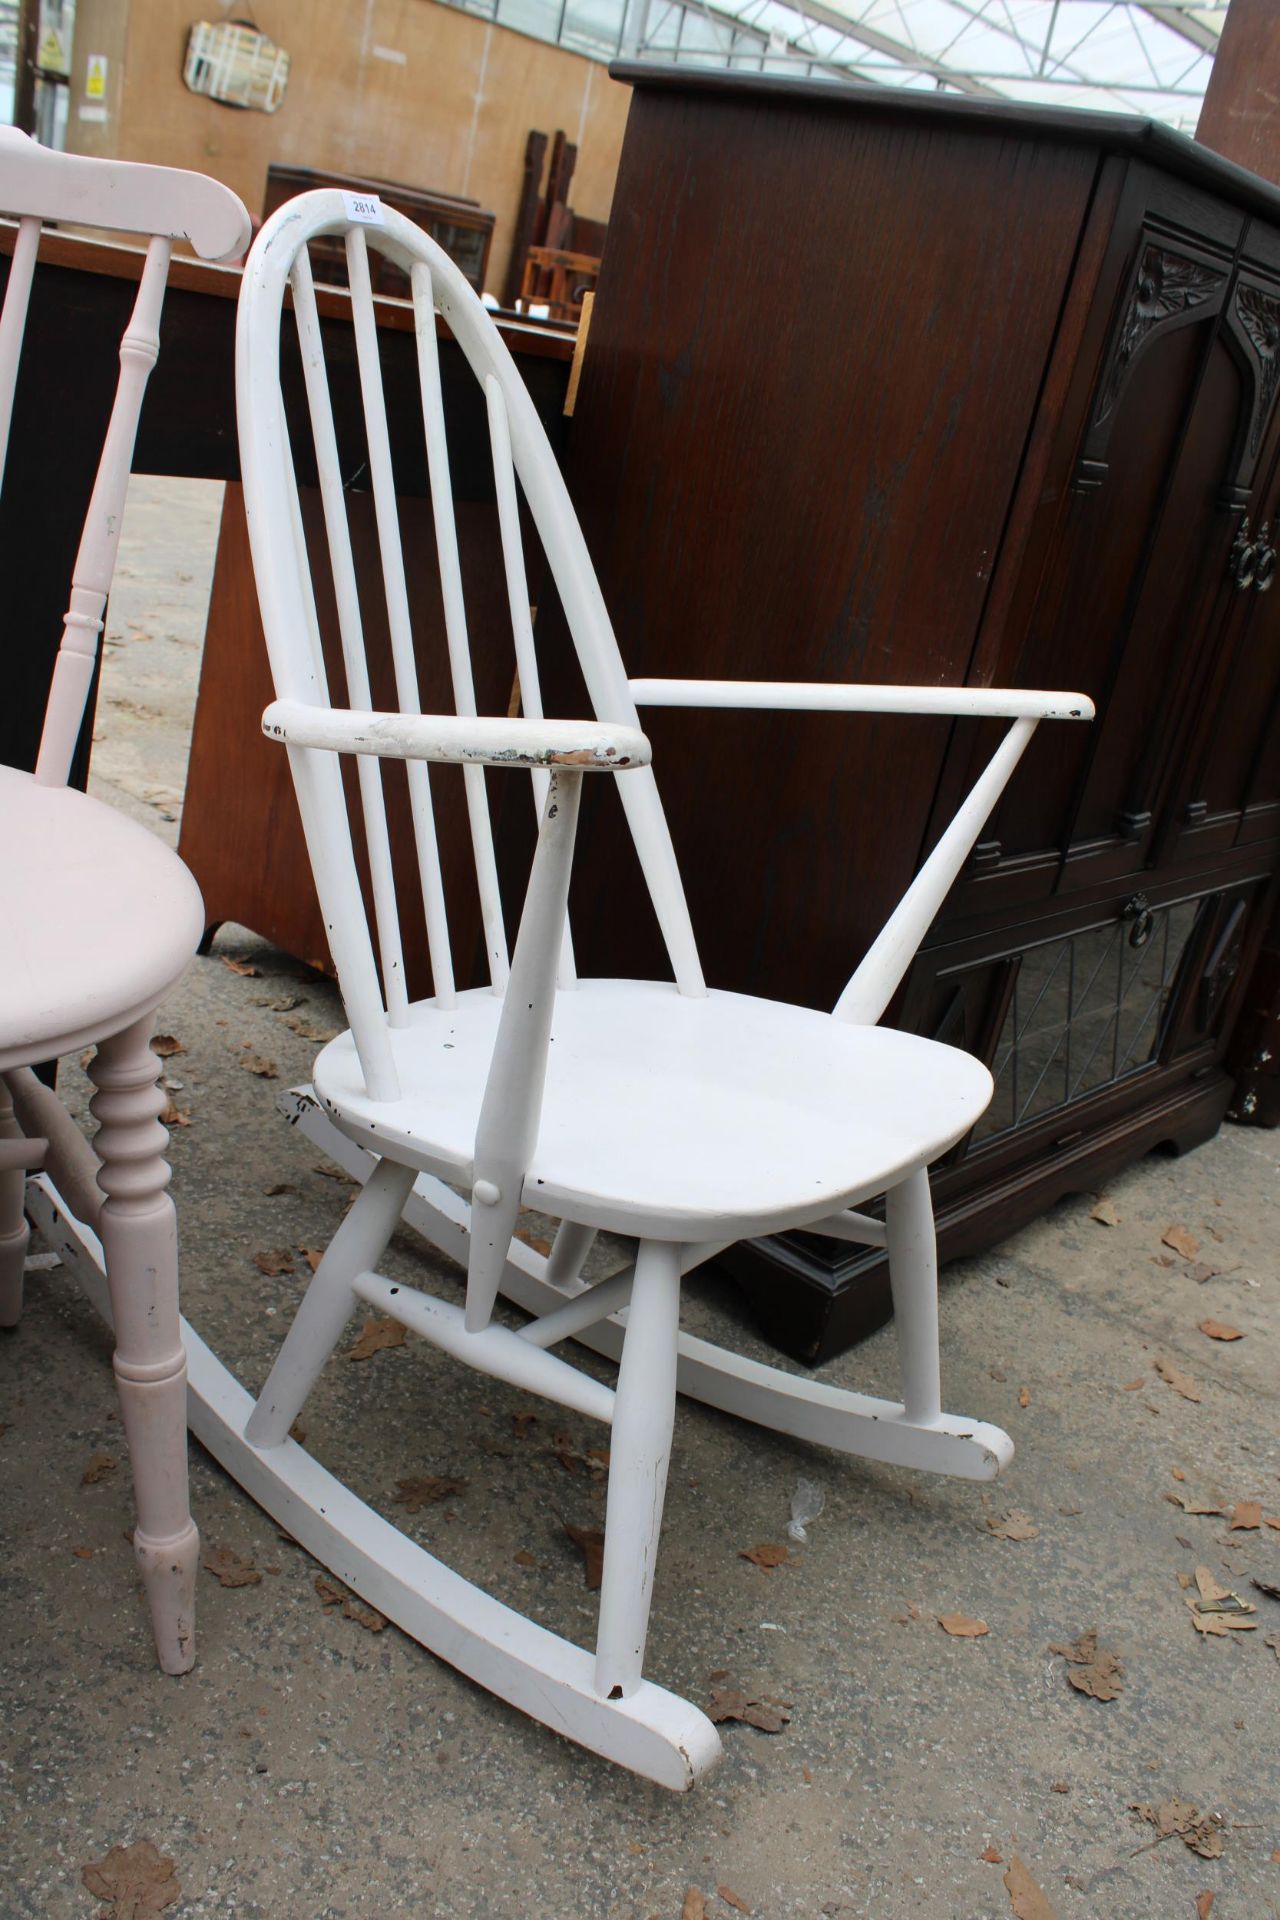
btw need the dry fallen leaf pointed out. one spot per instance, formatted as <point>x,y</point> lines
<point>1191,1505</point>
<point>695,1907</point>
<point>961,1627</point>
<point>1200,1832</point>
<point>238,966</point>
<point>731,1703</point>
<point>521,1423</point>
<point>1092,1669</point>
<point>1180,1382</point>
<point>1105,1213</point>
<point>171,1116</point>
<point>1264,1586</point>
<point>166,1045</point>
<point>732,1899</point>
<point>992,1856</point>
<point>525,1559</point>
<point>137,1880</point>
<point>333,1595</point>
<point>768,1557</point>
<point>1246,1516</point>
<point>1024,1398</point>
<point>1131,1386</point>
<point>1204,1905</point>
<point>374,1336</point>
<point>99,1466</point>
<point>590,1543</point>
<point>255,1063</point>
<point>1016,1525</point>
<point>537,1241</point>
<point>1181,1241</point>
<point>280,1186</point>
<point>274,1261</point>
<point>1273,1641</point>
<point>1216,1609</point>
<point>1201,1272</point>
<point>1026,1896</point>
<point>367,1617</point>
<point>1218,1330</point>
<point>312,1255</point>
<point>423,1489</point>
<point>308,1030</point>
<point>86,1553</point>
<point>231,1568</point>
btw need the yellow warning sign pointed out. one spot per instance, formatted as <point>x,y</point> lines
<point>53,52</point>
<point>95,79</point>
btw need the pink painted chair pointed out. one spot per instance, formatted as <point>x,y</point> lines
<point>99,918</point>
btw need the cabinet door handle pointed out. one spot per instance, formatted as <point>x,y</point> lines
<point>1242,561</point>
<point>1140,918</point>
<point>1265,571</point>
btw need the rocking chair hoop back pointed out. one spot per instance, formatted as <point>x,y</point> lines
<point>683,1117</point>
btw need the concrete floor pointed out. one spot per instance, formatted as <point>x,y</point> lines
<point>309,1769</point>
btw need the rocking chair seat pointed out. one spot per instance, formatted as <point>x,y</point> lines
<point>109,919</point>
<point>725,1115</point>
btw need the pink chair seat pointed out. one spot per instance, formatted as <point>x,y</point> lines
<point>86,880</point>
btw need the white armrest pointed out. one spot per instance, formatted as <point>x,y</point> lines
<point>590,746</point>
<point>816,696</point>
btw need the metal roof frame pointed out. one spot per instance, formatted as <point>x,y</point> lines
<point>1139,56</point>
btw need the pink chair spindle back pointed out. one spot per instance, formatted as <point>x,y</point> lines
<point>163,204</point>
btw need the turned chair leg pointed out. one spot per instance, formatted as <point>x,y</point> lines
<point>139,1234</point>
<point>15,1234</point>
<point>640,1448</point>
<point>913,1280</point>
<point>326,1306</point>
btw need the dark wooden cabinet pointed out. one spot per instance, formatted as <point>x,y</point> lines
<point>890,388</point>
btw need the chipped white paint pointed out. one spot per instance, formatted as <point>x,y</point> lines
<point>588,746</point>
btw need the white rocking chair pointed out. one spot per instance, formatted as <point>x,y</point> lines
<point>683,1117</point>
<point>100,919</point>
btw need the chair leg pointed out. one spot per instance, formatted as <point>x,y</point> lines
<point>913,1279</point>
<point>15,1234</point>
<point>356,1247</point>
<point>139,1233</point>
<point>572,1244</point>
<point>640,1447</point>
